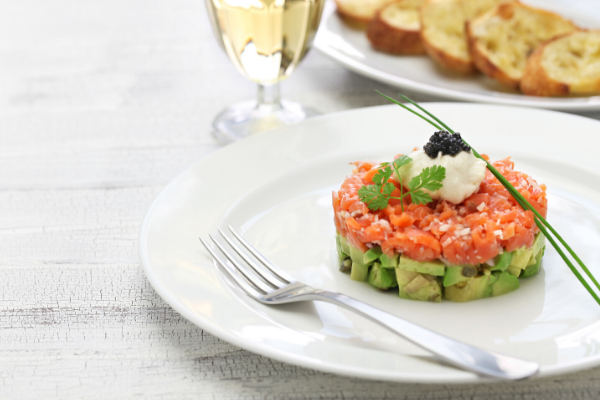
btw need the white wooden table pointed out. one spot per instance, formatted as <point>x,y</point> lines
<point>101,104</point>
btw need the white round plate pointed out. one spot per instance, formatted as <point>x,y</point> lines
<point>276,189</point>
<point>419,74</point>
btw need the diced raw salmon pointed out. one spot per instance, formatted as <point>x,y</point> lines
<point>471,232</point>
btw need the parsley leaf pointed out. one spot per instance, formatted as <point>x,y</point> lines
<point>375,196</point>
<point>430,179</point>
<point>388,188</point>
<point>420,197</point>
<point>383,174</point>
<point>401,161</point>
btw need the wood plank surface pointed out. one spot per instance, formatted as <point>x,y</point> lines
<point>102,103</point>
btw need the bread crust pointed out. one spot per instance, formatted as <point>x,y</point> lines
<point>443,31</point>
<point>447,60</point>
<point>354,18</point>
<point>482,63</point>
<point>390,39</point>
<point>537,80</point>
<point>351,21</point>
<point>479,54</point>
<point>442,57</point>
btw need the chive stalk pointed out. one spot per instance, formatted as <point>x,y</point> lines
<point>522,201</point>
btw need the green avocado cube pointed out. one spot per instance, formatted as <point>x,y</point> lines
<point>431,292</point>
<point>538,243</point>
<point>341,254</point>
<point>434,267</point>
<point>404,277</point>
<point>344,244</point>
<point>342,257</point>
<point>356,254</point>
<point>382,278</point>
<point>534,268</point>
<point>415,286</point>
<point>477,288</point>
<point>521,257</point>
<point>372,255</point>
<point>459,274</point>
<point>359,271</point>
<point>514,271</point>
<point>505,283</point>
<point>502,261</point>
<point>389,262</point>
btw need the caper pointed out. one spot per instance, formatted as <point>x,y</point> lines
<point>346,265</point>
<point>469,271</point>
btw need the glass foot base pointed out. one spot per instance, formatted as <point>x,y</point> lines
<point>244,119</point>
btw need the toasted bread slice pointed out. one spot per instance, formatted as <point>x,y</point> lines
<point>443,30</point>
<point>501,40</point>
<point>358,13</point>
<point>568,64</point>
<point>396,28</point>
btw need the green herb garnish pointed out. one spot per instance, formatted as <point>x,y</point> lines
<point>540,221</point>
<point>378,195</point>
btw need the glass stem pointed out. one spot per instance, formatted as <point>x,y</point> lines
<point>269,98</point>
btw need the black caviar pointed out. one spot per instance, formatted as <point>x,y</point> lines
<point>447,143</point>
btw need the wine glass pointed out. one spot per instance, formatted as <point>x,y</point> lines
<point>265,39</point>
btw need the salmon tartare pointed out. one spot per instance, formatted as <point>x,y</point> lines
<point>478,247</point>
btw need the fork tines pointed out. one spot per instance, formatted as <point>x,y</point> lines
<point>258,278</point>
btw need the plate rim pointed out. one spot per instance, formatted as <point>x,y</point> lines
<point>591,103</point>
<point>308,362</point>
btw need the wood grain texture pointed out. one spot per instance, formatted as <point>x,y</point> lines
<point>101,104</point>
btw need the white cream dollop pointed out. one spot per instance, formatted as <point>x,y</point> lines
<point>464,173</point>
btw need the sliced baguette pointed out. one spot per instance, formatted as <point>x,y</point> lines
<point>501,40</point>
<point>358,13</point>
<point>396,28</point>
<point>443,30</point>
<point>568,64</point>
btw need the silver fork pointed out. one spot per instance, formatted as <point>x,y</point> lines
<point>268,284</point>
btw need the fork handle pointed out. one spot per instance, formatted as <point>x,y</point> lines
<point>452,351</point>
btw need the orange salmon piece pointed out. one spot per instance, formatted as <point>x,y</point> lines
<point>403,220</point>
<point>475,200</point>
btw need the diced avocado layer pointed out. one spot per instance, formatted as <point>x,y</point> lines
<point>534,268</point>
<point>382,278</point>
<point>432,280</point>
<point>520,258</point>
<point>434,267</point>
<point>459,274</point>
<point>389,262</point>
<point>341,254</point>
<point>356,255</point>
<point>372,255</point>
<point>359,272</point>
<point>343,244</point>
<point>477,288</point>
<point>415,286</point>
<point>502,261</point>
<point>538,244</point>
<point>505,283</point>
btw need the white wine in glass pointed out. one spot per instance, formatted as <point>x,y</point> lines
<point>265,39</point>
